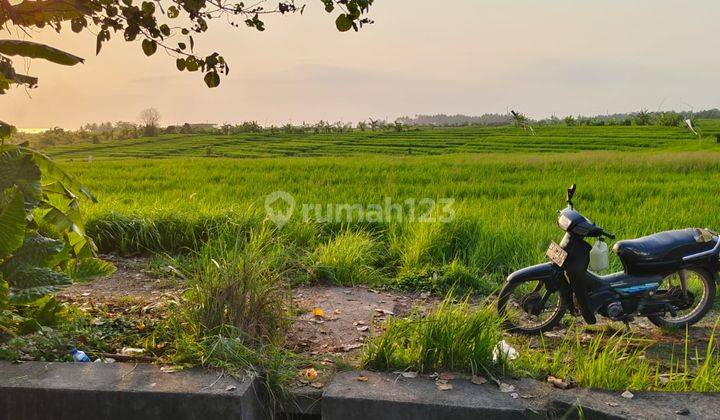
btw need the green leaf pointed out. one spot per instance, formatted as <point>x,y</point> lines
<point>82,245</point>
<point>4,294</point>
<point>180,63</point>
<point>6,130</point>
<point>45,310</point>
<point>34,50</point>
<point>52,171</point>
<point>12,225</point>
<point>58,188</point>
<point>212,79</point>
<point>36,251</point>
<point>17,168</point>
<point>149,47</point>
<point>88,269</point>
<point>173,12</point>
<point>343,23</point>
<point>34,277</point>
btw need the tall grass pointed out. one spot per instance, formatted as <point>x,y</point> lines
<point>454,336</point>
<point>348,259</point>
<point>619,362</point>
<point>505,203</point>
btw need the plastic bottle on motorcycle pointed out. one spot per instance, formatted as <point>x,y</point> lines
<point>599,257</point>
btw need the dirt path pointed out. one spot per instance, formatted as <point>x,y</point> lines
<point>350,315</point>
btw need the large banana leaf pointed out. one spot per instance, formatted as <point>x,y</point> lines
<point>51,170</point>
<point>31,49</point>
<point>88,269</point>
<point>36,251</point>
<point>18,168</point>
<point>4,293</point>
<point>12,225</point>
<point>34,277</point>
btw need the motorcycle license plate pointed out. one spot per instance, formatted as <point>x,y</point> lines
<point>556,254</point>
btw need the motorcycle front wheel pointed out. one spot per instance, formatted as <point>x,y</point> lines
<point>696,298</point>
<point>529,308</point>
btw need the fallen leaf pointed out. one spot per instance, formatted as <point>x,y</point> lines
<point>445,376</point>
<point>310,374</point>
<point>131,351</point>
<point>478,380</point>
<point>683,412</point>
<point>230,388</point>
<point>362,378</point>
<point>506,387</point>
<point>363,328</point>
<point>612,404</point>
<point>559,383</point>
<point>349,347</point>
<point>514,395</point>
<point>385,311</point>
<point>317,385</point>
<point>627,394</point>
<point>318,312</point>
<point>443,385</point>
<point>409,375</point>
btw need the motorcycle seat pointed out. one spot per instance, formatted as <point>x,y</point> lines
<point>666,246</point>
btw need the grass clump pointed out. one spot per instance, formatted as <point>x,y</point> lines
<point>619,362</point>
<point>454,276</point>
<point>616,362</point>
<point>348,259</point>
<point>236,312</point>
<point>454,336</point>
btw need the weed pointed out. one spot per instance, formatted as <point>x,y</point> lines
<point>454,336</point>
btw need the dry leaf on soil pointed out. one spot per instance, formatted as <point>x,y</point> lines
<point>506,387</point>
<point>559,383</point>
<point>311,374</point>
<point>478,380</point>
<point>443,385</point>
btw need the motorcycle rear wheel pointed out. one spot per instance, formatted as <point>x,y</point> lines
<point>701,284</point>
<point>529,308</point>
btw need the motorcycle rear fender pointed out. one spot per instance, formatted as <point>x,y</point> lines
<point>548,273</point>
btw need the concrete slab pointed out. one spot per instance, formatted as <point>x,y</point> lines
<point>390,396</point>
<point>68,391</point>
<point>602,405</point>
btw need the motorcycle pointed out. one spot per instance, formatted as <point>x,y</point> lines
<point>668,277</point>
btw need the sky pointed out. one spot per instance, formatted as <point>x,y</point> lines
<point>541,57</point>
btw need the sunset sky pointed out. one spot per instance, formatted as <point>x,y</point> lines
<point>542,57</point>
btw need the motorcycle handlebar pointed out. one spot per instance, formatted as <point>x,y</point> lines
<point>607,234</point>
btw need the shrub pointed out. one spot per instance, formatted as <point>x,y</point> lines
<point>454,276</point>
<point>237,281</point>
<point>670,119</point>
<point>643,118</point>
<point>455,336</point>
<point>43,246</point>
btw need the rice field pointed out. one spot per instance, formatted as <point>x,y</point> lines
<point>415,141</point>
<point>166,195</point>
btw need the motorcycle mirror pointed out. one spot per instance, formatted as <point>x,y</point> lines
<point>570,194</point>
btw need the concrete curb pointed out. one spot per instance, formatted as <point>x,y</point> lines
<point>122,391</point>
<point>391,396</point>
<point>68,391</point>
